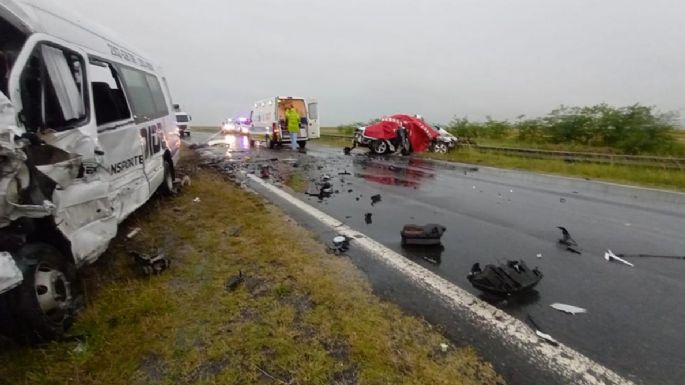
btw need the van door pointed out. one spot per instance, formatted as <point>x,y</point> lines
<point>313,114</point>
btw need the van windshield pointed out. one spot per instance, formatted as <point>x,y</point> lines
<point>182,118</point>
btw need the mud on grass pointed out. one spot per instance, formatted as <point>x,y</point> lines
<point>300,316</point>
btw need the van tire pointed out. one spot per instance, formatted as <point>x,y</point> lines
<point>44,301</point>
<point>379,147</point>
<point>302,144</point>
<point>167,187</point>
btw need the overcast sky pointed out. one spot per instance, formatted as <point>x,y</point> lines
<point>365,58</point>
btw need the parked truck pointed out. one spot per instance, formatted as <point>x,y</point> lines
<point>87,135</point>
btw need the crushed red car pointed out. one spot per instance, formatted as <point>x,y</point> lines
<point>397,133</point>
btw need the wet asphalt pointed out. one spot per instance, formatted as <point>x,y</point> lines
<point>634,317</point>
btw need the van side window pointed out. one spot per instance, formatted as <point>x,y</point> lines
<point>144,93</point>
<point>161,108</point>
<point>313,111</point>
<point>53,89</point>
<point>108,94</point>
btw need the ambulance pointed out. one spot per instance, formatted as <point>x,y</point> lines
<point>268,120</point>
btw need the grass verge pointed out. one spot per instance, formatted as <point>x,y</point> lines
<point>301,316</point>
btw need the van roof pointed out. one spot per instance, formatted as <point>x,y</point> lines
<point>49,17</point>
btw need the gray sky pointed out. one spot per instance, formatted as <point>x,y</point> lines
<point>366,58</point>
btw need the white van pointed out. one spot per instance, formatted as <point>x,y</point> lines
<point>268,120</point>
<point>87,135</point>
<point>183,123</point>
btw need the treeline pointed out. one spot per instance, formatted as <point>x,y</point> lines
<point>633,129</point>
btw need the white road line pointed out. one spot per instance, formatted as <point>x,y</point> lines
<point>562,360</point>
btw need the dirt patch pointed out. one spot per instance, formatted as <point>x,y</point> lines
<point>207,370</point>
<point>154,368</point>
<point>348,376</point>
<point>256,286</point>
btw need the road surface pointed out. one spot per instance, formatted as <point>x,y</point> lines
<point>634,317</point>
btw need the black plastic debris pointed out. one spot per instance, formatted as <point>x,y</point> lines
<point>264,172</point>
<point>233,231</point>
<point>509,278</point>
<point>375,199</point>
<point>234,281</point>
<point>339,245</point>
<point>150,265</point>
<point>568,241</point>
<point>367,218</point>
<point>651,256</point>
<point>344,173</point>
<point>347,150</point>
<point>425,235</point>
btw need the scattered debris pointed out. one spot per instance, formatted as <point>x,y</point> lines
<point>539,255</point>
<point>375,199</point>
<point>443,347</point>
<point>344,173</point>
<point>265,172</point>
<point>610,256</point>
<point>426,235</point>
<point>234,281</point>
<point>349,191</point>
<point>367,218</point>
<point>79,348</point>
<point>339,245</point>
<point>151,265</point>
<point>570,309</point>
<point>562,200</point>
<point>544,336</point>
<point>568,241</point>
<point>196,200</point>
<point>509,278</point>
<point>627,224</point>
<point>133,232</point>
<point>347,150</point>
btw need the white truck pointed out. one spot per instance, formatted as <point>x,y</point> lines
<point>87,135</point>
<point>183,123</point>
<point>268,120</point>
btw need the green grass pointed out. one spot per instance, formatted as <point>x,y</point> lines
<point>635,175</point>
<point>301,316</point>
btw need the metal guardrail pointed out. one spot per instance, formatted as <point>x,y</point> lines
<point>571,156</point>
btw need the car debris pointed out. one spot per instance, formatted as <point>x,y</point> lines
<point>570,309</point>
<point>425,235</point>
<point>196,200</point>
<point>444,347</point>
<point>233,231</point>
<point>264,172</point>
<point>512,277</point>
<point>233,282</point>
<point>133,232</point>
<point>375,199</point>
<point>367,218</point>
<point>345,172</point>
<point>339,245</point>
<point>610,256</point>
<point>150,265</point>
<point>347,150</point>
<point>538,331</point>
<point>568,241</point>
<point>539,255</point>
<point>562,200</point>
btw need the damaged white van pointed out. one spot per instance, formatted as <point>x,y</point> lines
<point>87,135</point>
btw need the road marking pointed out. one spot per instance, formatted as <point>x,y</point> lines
<point>561,360</point>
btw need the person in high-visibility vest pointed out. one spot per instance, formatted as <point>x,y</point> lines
<point>292,119</point>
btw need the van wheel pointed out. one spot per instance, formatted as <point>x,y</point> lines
<point>44,300</point>
<point>302,143</point>
<point>379,147</point>
<point>167,186</point>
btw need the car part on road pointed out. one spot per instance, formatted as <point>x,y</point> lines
<point>375,199</point>
<point>651,256</point>
<point>509,278</point>
<point>610,256</point>
<point>196,200</point>
<point>570,309</point>
<point>347,150</point>
<point>264,172</point>
<point>367,218</point>
<point>544,336</point>
<point>426,235</point>
<point>234,281</point>
<point>568,241</point>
